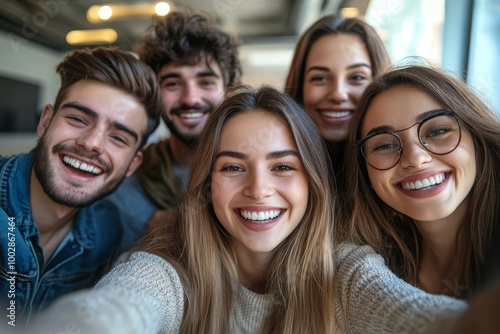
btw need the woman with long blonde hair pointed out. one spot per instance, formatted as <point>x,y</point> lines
<point>250,248</point>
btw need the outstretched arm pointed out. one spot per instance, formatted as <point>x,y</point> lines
<point>372,299</point>
<point>142,295</point>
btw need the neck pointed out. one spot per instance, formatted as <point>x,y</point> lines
<point>438,266</point>
<point>181,152</point>
<point>53,220</point>
<point>251,269</point>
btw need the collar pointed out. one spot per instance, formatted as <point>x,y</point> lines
<point>16,199</point>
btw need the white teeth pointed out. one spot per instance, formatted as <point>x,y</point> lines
<point>82,165</point>
<point>425,183</point>
<point>192,115</point>
<point>261,215</point>
<point>336,114</point>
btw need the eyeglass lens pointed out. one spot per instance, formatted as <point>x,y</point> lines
<point>437,134</point>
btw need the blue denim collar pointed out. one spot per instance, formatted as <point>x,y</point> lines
<point>16,196</point>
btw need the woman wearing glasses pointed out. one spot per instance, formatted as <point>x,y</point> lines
<point>425,182</point>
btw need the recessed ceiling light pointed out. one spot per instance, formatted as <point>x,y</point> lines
<point>93,36</point>
<point>111,12</point>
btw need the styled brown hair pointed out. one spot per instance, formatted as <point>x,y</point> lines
<point>300,273</point>
<point>395,235</point>
<point>186,38</point>
<point>118,69</point>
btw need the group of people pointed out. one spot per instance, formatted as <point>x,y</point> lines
<point>359,199</point>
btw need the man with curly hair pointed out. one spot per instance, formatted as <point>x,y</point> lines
<point>195,62</point>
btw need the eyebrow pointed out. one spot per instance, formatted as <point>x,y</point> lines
<point>420,118</point>
<point>269,156</point>
<point>93,114</point>
<point>176,75</point>
<point>324,68</point>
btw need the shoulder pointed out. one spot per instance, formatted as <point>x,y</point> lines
<point>351,254</point>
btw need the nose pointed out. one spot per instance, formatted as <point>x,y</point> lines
<point>191,94</point>
<point>258,185</point>
<point>92,140</point>
<point>414,155</point>
<point>338,92</point>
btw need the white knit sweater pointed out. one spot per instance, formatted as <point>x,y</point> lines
<point>145,295</point>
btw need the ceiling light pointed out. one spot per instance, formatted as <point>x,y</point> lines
<point>162,8</point>
<point>350,12</point>
<point>125,11</point>
<point>94,36</point>
<point>104,12</point>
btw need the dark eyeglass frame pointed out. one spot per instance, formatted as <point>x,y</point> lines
<point>443,112</point>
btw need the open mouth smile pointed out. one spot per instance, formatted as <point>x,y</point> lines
<point>82,166</point>
<point>424,183</point>
<point>336,114</point>
<point>260,217</point>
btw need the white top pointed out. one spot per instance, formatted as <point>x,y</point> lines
<point>145,295</point>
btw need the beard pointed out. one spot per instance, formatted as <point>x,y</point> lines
<point>69,195</point>
<point>186,139</point>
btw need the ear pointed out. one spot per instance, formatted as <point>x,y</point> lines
<point>43,124</point>
<point>136,162</point>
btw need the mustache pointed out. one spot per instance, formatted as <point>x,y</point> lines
<point>77,151</point>
<point>197,107</point>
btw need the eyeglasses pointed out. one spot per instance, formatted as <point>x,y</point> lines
<point>439,134</point>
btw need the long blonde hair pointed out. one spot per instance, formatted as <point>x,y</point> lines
<point>395,235</point>
<point>300,273</point>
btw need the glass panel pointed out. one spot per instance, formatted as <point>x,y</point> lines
<point>409,27</point>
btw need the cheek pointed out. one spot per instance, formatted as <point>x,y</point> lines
<point>378,181</point>
<point>312,95</point>
<point>356,93</point>
<point>221,191</point>
<point>168,96</point>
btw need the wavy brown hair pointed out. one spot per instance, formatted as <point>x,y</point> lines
<point>395,235</point>
<point>299,275</point>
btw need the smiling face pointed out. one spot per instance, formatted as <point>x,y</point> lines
<point>422,185</point>
<point>259,186</point>
<point>90,144</point>
<point>189,93</point>
<point>338,69</point>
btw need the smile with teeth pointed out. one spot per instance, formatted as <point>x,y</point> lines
<point>261,216</point>
<point>425,183</point>
<point>336,114</point>
<point>82,165</point>
<point>192,115</point>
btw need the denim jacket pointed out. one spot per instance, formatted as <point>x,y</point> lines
<point>26,284</point>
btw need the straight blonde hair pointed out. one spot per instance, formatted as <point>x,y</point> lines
<point>300,273</point>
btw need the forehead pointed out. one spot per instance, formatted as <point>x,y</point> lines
<point>254,132</point>
<point>338,50</point>
<point>398,107</point>
<point>192,68</point>
<point>109,103</point>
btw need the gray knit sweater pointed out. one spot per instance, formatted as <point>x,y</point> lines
<point>145,295</point>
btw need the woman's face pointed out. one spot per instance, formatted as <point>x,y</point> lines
<point>422,185</point>
<point>337,71</point>
<point>259,186</point>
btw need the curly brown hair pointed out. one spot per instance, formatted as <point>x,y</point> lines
<point>186,38</point>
